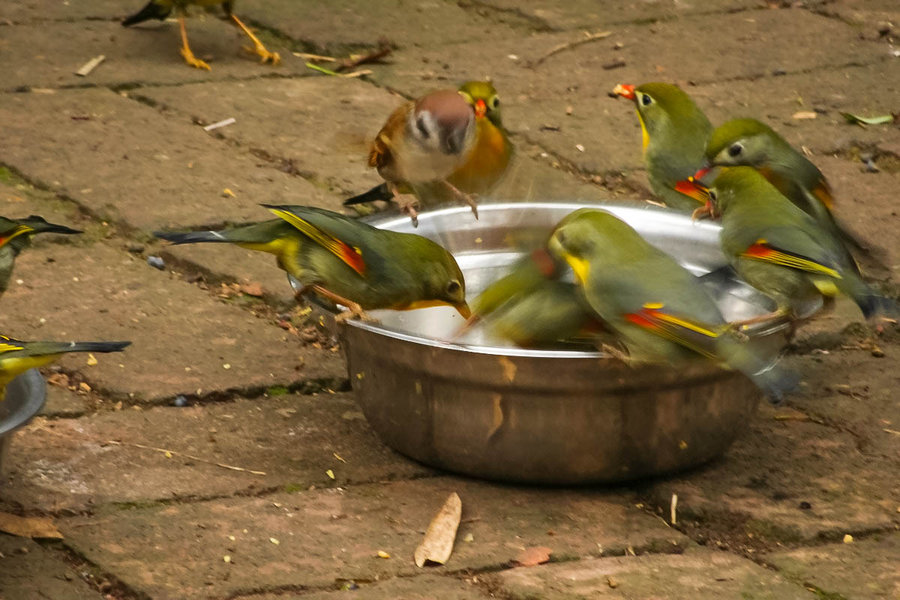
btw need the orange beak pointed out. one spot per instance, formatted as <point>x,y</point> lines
<point>625,90</point>
<point>480,108</point>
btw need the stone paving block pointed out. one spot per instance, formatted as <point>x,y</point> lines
<point>875,18</point>
<point>787,481</point>
<point>863,570</point>
<point>47,55</point>
<point>63,402</point>
<point>324,125</point>
<point>69,464</point>
<point>27,571</point>
<point>128,163</point>
<point>98,292</point>
<point>700,575</point>
<point>324,537</point>
<point>340,25</point>
<point>39,10</point>
<point>593,14</point>
<point>421,587</point>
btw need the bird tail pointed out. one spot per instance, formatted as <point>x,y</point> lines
<point>876,305</point>
<point>40,225</point>
<point>255,233</point>
<point>95,346</point>
<point>152,10</point>
<point>775,381</point>
<point>379,192</point>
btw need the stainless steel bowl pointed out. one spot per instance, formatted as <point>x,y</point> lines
<point>479,406</point>
<point>25,397</point>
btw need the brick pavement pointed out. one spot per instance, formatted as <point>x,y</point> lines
<point>121,154</point>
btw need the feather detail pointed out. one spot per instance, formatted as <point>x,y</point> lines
<point>686,332</point>
<point>351,255</point>
<point>761,250</point>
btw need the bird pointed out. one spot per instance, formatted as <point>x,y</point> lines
<point>781,250</point>
<point>349,262</point>
<point>749,142</point>
<point>660,311</point>
<point>17,356</point>
<point>675,133</point>
<point>15,235</point>
<point>447,145</point>
<point>160,9</point>
<point>531,306</point>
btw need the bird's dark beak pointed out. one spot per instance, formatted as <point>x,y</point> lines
<point>625,90</point>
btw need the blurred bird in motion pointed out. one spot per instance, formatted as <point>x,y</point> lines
<point>15,236</point>
<point>660,311</point>
<point>17,356</point>
<point>531,306</point>
<point>447,145</point>
<point>348,262</point>
<point>675,132</point>
<point>781,250</point>
<point>160,9</point>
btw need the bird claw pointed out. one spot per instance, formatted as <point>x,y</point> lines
<point>408,207</point>
<point>265,56</point>
<point>193,61</point>
<point>354,313</point>
<point>615,353</point>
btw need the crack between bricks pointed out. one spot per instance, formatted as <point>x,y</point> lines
<point>91,573</point>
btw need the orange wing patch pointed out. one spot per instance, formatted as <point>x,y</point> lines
<point>761,250</point>
<point>351,255</point>
<point>691,334</point>
<point>822,191</point>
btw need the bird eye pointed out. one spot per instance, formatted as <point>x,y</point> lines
<point>646,100</point>
<point>495,102</point>
<point>423,129</point>
<point>453,287</point>
<point>735,150</point>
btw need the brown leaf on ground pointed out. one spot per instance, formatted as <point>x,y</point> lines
<point>30,527</point>
<point>536,555</point>
<point>438,543</point>
<point>252,289</point>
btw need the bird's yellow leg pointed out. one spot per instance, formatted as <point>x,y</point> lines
<point>355,309</point>
<point>741,326</point>
<point>258,48</point>
<point>467,198</point>
<point>189,57</point>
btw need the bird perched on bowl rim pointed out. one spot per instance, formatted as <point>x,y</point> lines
<point>748,142</point>
<point>15,235</point>
<point>674,135</point>
<point>778,248</point>
<point>659,310</point>
<point>447,145</point>
<point>349,262</point>
<point>160,9</point>
<point>17,356</point>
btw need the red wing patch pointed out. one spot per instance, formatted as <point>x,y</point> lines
<point>685,332</point>
<point>761,250</point>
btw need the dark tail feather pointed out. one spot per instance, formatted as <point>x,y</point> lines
<point>192,237</point>
<point>97,346</point>
<point>40,225</point>
<point>775,381</point>
<point>873,305</point>
<point>379,192</point>
<point>151,11</point>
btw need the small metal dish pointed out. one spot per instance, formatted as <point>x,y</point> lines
<point>25,397</point>
<point>479,406</point>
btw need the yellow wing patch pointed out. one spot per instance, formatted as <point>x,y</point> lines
<point>351,255</point>
<point>761,250</point>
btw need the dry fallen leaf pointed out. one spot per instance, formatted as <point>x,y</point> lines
<point>252,289</point>
<point>438,543</point>
<point>536,555</point>
<point>805,114</point>
<point>30,527</point>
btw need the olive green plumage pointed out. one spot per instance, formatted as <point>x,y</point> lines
<point>781,250</point>
<point>15,236</point>
<point>675,135</point>
<point>748,142</point>
<point>660,311</point>
<point>371,267</point>
<point>531,307</point>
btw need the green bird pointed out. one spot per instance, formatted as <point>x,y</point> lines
<point>349,262</point>
<point>15,236</point>
<point>675,132</point>
<point>530,306</point>
<point>660,311</point>
<point>17,356</point>
<point>781,250</point>
<point>160,9</point>
<point>748,142</point>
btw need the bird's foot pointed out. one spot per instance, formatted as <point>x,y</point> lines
<point>272,58</point>
<point>615,353</point>
<point>704,211</point>
<point>467,198</point>
<point>408,206</point>
<point>354,312</point>
<point>192,60</point>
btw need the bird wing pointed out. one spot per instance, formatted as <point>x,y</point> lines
<point>351,255</point>
<point>381,154</point>
<point>690,333</point>
<point>767,251</point>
